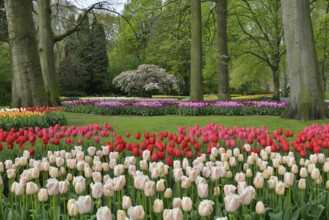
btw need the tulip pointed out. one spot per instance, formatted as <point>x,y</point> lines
<point>126,202</point>
<point>289,179</point>
<point>260,208</point>
<point>72,208</point>
<point>52,187</point>
<point>149,188</point>
<point>136,212</point>
<point>240,177</point>
<point>43,195</point>
<point>168,193</point>
<point>248,194</point>
<point>11,173</point>
<point>177,203</point>
<point>232,202</point>
<point>97,177</point>
<point>186,204</point>
<point>315,174</point>
<point>84,204</point>
<point>31,188</point>
<point>104,213</point>
<point>160,186</point>
<point>303,172</point>
<point>121,215</point>
<point>280,188</point>
<point>158,206</point>
<point>63,186</point>
<point>302,184</point>
<point>96,190</point>
<point>205,208</point>
<point>203,190</point>
<point>229,189</point>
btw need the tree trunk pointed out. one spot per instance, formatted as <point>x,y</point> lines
<point>196,92</point>
<point>223,77</point>
<point>276,83</point>
<point>306,97</point>
<point>29,87</point>
<point>47,53</point>
<point>285,84</point>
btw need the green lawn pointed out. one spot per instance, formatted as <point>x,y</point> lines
<point>122,124</point>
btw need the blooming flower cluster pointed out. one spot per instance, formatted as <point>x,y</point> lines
<point>209,172</point>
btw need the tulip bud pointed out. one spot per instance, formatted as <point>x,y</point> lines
<point>280,188</point>
<point>43,195</point>
<point>186,204</point>
<point>168,193</point>
<point>121,215</point>
<point>126,202</point>
<point>160,186</point>
<point>158,206</point>
<point>260,208</point>
<point>72,208</point>
<point>302,184</point>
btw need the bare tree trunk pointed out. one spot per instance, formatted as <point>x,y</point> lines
<point>307,97</point>
<point>223,77</point>
<point>29,87</point>
<point>47,53</point>
<point>196,92</point>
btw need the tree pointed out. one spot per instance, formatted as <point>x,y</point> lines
<point>196,91</point>
<point>27,82</point>
<point>100,62</point>
<point>47,52</point>
<point>306,100</point>
<point>47,40</point>
<point>320,18</point>
<point>3,23</point>
<point>261,25</point>
<point>223,76</point>
<point>146,80</point>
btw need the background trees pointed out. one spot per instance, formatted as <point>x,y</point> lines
<point>87,49</point>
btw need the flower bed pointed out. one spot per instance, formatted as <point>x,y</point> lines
<point>31,117</point>
<point>197,173</point>
<point>173,108</point>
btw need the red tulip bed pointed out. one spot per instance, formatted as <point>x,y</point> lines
<point>210,172</point>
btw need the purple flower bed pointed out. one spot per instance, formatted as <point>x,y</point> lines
<point>278,104</point>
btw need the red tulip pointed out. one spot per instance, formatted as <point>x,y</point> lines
<point>169,161</point>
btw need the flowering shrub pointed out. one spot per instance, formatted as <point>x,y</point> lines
<point>31,117</point>
<point>197,173</point>
<point>175,108</point>
<point>147,79</point>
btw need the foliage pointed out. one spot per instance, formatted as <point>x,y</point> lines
<point>5,75</point>
<point>3,23</point>
<point>84,69</point>
<point>147,79</point>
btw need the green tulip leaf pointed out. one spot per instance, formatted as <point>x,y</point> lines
<point>318,212</point>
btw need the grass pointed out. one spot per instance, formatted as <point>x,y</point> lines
<point>133,124</point>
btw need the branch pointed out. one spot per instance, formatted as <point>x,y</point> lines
<point>77,27</point>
